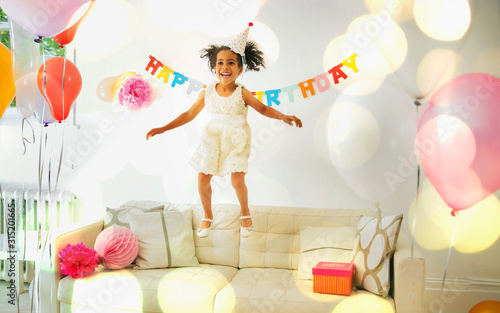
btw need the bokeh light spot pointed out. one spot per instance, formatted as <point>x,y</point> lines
<point>101,33</point>
<point>393,44</point>
<point>267,41</point>
<point>445,20</point>
<point>434,225</point>
<point>363,303</point>
<point>436,61</point>
<point>351,144</point>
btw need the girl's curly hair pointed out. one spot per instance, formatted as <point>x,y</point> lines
<point>254,58</point>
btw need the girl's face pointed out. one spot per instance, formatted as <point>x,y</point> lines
<point>227,68</point>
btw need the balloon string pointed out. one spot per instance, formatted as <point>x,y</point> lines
<point>41,163</point>
<point>40,216</point>
<point>448,257</point>
<point>24,140</point>
<point>60,159</point>
<point>49,172</point>
<point>62,86</point>
<point>74,62</point>
<point>44,75</point>
<point>415,219</point>
<point>59,166</point>
<point>48,232</point>
<point>36,286</point>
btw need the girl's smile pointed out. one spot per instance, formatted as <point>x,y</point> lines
<point>227,68</point>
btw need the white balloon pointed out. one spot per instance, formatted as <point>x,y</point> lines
<point>26,87</point>
<point>25,64</point>
<point>410,60</point>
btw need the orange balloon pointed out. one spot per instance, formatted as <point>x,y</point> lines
<point>68,35</point>
<point>7,88</point>
<point>59,96</point>
<point>488,306</point>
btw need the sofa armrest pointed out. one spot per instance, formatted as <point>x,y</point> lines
<point>85,232</point>
<point>408,277</point>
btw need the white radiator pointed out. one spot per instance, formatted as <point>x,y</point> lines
<point>28,213</point>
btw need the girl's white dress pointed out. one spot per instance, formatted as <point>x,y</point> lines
<point>225,137</point>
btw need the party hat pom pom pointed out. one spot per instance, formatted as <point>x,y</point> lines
<point>239,42</point>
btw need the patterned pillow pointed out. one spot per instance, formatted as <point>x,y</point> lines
<point>120,215</point>
<point>374,246</point>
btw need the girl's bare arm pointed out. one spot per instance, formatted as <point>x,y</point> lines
<point>268,111</point>
<point>183,118</point>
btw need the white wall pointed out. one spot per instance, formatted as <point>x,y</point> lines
<point>107,160</point>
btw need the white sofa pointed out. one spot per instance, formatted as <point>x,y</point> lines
<point>255,274</point>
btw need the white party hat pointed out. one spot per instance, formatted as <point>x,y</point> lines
<point>239,42</point>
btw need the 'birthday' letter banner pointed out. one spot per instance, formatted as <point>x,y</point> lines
<point>307,88</point>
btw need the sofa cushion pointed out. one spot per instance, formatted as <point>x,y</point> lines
<point>165,238</point>
<point>279,290</point>
<point>275,241</point>
<point>186,289</point>
<point>376,242</point>
<point>327,244</point>
<point>221,246</point>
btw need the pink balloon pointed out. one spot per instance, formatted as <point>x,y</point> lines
<point>116,247</point>
<point>43,18</point>
<point>459,142</point>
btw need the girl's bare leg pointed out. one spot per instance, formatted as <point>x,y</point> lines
<point>238,182</point>
<point>205,190</point>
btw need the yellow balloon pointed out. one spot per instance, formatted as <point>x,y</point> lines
<point>488,306</point>
<point>7,89</point>
<point>106,89</point>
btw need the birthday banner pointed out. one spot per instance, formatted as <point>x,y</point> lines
<point>269,97</point>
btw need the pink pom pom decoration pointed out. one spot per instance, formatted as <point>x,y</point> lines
<point>116,247</point>
<point>135,92</point>
<point>78,260</point>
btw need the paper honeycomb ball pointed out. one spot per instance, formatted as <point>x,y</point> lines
<point>116,247</point>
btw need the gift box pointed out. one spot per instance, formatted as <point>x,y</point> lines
<point>333,277</point>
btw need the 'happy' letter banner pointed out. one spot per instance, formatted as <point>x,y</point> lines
<point>308,88</point>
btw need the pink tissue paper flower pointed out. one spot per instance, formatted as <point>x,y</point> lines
<point>135,92</point>
<point>78,260</point>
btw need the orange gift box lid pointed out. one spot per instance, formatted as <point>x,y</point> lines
<point>333,269</point>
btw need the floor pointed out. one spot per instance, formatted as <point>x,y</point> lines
<point>24,300</point>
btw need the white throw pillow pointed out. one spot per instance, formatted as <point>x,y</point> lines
<point>327,244</point>
<point>165,239</point>
<point>375,244</point>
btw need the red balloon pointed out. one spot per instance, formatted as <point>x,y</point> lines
<point>458,139</point>
<point>488,306</point>
<point>60,96</point>
<point>68,35</point>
